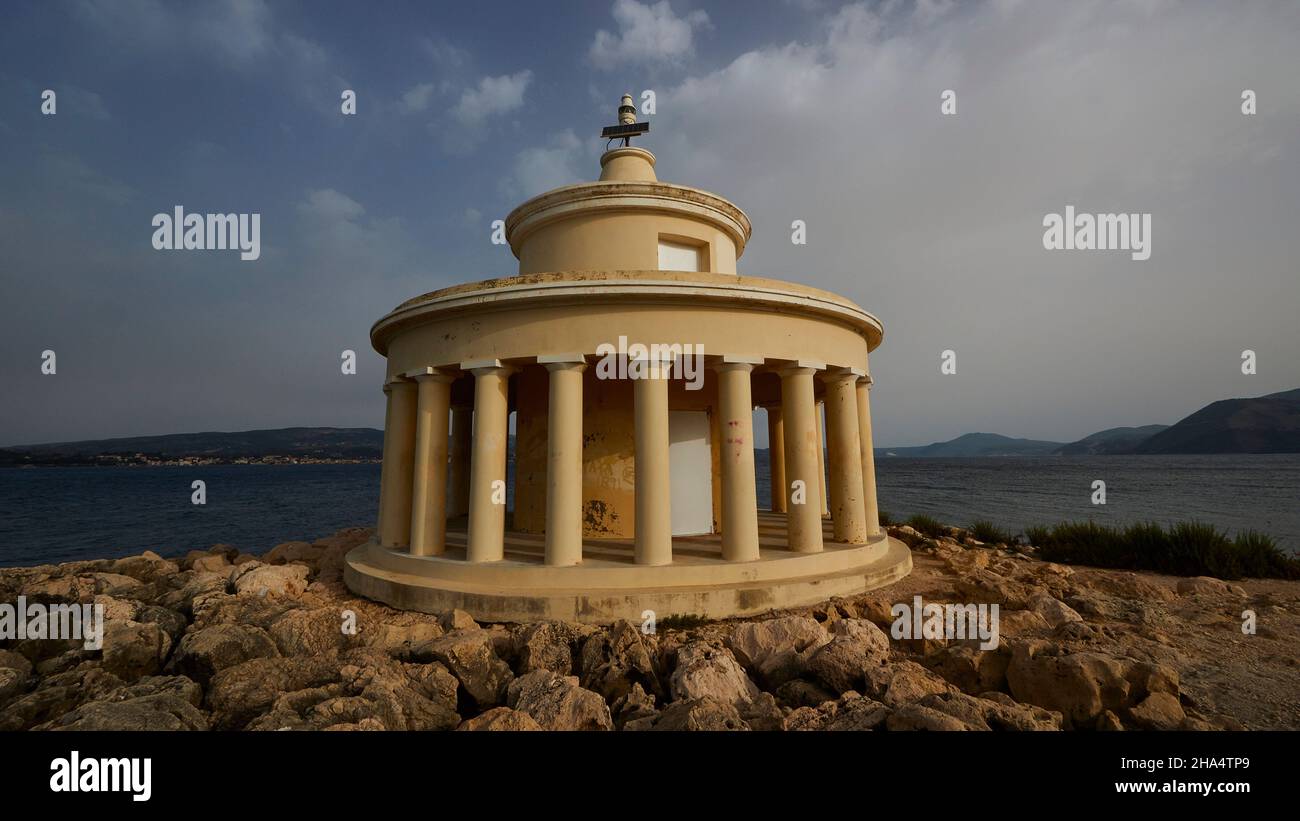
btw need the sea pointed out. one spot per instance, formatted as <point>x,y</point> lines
<point>59,514</point>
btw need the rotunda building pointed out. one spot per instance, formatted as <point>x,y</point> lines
<point>632,356</point>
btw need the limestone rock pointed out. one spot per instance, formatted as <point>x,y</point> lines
<point>306,632</point>
<point>240,693</point>
<point>1082,685</point>
<point>500,718</point>
<point>471,658</point>
<point>1158,711</point>
<point>970,669</point>
<point>774,650</point>
<point>132,649</point>
<point>558,703</point>
<point>705,670</point>
<point>1053,611</point>
<point>799,693</point>
<point>699,714</point>
<point>614,660</point>
<point>457,620</point>
<point>1208,585</point>
<point>902,683</point>
<point>145,713</point>
<point>204,653</point>
<point>545,646</point>
<point>286,552</point>
<point>284,581</point>
<point>1022,623</point>
<point>210,564</point>
<point>855,644</point>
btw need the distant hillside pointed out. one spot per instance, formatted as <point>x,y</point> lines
<point>1265,424</point>
<point>307,443</point>
<point>1111,441</point>
<point>976,444</point>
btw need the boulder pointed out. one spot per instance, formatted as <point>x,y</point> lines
<point>240,693</point>
<point>209,563</point>
<point>698,714</point>
<point>799,693</point>
<point>132,649</point>
<point>545,646</point>
<point>457,620</point>
<point>970,669</point>
<point>145,713</point>
<point>147,567</point>
<point>614,660</point>
<point>500,718</point>
<point>1083,685</point>
<point>558,702</point>
<point>307,632</point>
<point>281,581</point>
<point>118,609</point>
<point>286,552</point>
<point>1052,610</point>
<point>206,652</point>
<point>902,683</point>
<point>855,645</point>
<point>774,650</point>
<point>471,658</point>
<point>1198,585</point>
<point>705,670</point>
<point>1158,711</point>
<point>1022,623</point>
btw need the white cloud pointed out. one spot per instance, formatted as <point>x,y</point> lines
<point>541,168</point>
<point>934,222</point>
<point>417,97</point>
<point>493,95</point>
<point>647,34</point>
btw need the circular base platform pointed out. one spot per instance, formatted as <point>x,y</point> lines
<point>603,590</point>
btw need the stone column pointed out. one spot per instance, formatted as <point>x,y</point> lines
<point>798,409</point>
<point>429,487</point>
<point>654,527</point>
<point>736,427</point>
<point>776,457</point>
<point>462,438</point>
<point>869,502</point>
<point>821,459</point>
<point>397,471</point>
<point>848,515</point>
<point>564,459</point>
<point>487,471</point>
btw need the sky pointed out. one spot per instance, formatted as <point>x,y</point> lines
<point>816,111</point>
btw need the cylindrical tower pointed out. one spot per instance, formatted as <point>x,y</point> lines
<point>631,355</point>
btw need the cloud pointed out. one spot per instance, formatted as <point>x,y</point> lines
<point>541,168</point>
<point>492,96</point>
<point>239,32</point>
<point>417,98</point>
<point>647,34</point>
<point>934,222</point>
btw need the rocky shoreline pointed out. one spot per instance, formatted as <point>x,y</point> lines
<point>221,640</point>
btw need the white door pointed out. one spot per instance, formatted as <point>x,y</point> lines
<point>690,470</point>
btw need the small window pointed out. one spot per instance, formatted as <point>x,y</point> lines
<point>680,256</point>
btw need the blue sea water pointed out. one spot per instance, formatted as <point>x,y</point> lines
<point>63,514</point>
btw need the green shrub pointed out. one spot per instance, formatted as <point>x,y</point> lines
<point>1185,549</point>
<point>885,519</point>
<point>927,525</point>
<point>683,621</point>
<point>989,533</point>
